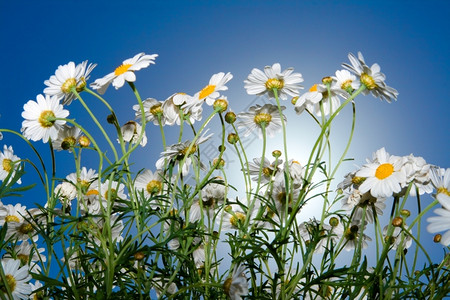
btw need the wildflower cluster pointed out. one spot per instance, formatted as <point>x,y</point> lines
<point>182,227</point>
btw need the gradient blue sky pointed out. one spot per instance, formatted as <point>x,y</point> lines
<point>195,39</point>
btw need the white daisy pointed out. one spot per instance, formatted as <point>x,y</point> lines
<point>131,131</point>
<point>85,178</point>
<point>371,77</point>
<point>417,171</point>
<point>286,82</point>
<point>177,152</point>
<point>211,92</point>
<point>67,138</point>
<point>125,72</point>
<point>257,116</point>
<point>398,238</point>
<point>34,287</point>
<point>17,278</point>
<point>318,96</point>
<point>351,234</point>
<point>384,175</point>
<point>233,217</point>
<point>152,110</point>
<point>8,163</point>
<point>236,286</point>
<point>28,255</point>
<point>440,223</point>
<point>66,78</point>
<point>179,103</point>
<point>347,82</point>
<point>40,122</point>
<point>440,179</point>
<point>116,226</point>
<point>355,202</point>
<point>150,183</point>
<point>21,231</point>
<point>10,213</point>
<point>269,170</point>
<point>65,191</point>
<point>309,229</point>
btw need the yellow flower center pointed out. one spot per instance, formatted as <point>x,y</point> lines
<point>154,187</point>
<point>11,282</point>
<point>283,198</point>
<point>384,170</point>
<point>6,164</point>
<point>84,184</point>
<point>26,228</point>
<point>267,171</point>
<point>156,109</point>
<point>274,83</point>
<point>227,285</point>
<point>368,81</point>
<point>47,118</point>
<point>184,151</point>
<point>206,91</point>
<point>443,190</point>
<point>92,192</point>
<point>346,84</point>
<point>237,217</point>
<point>122,69</point>
<point>111,194</point>
<point>12,218</point>
<point>313,88</point>
<point>262,118</point>
<point>67,86</point>
<point>358,180</point>
<point>82,85</point>
<point>23,258</point>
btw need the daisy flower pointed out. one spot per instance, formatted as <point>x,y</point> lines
<point>258,116</point>
<point>177,104</point>
<point>34,287</point>
<point>269,170</point>
<point>286,82</point>
<point>371,77</point>
<point>116,229</point>
<point>150,183</point>
<point>152,110</point>
<point>417,171</point>
<point>85,178</point>
<point>10,213</point>
<point>67,138</point>
<point>355,202</point>
<point>211,92</point>
<point>28,255</point>
<point>318,96</point>
<point>177,152</point>
<point>346,81</point>
<point>124,72</point>
<point>440,179</point>
<point>440,223</point>
<point>131,131</point>
<point>17,278</point>
<point>236,286</point>
<point>66,78</point>
<point>8,160</point>
<point>384,175</point>
<point>398,238</point>
<point>308,229</point>
<point>40,118</point>
<point>233,217</point>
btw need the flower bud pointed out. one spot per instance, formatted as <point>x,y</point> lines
<point>139,255</point>
<point>221,148</point>
<point>334,222</point>
<point>276,153</point>
<point>111,119</point>
<point>230,117</point>
<point>84,141</point>
<point>397,222</point>
<point>220,105</point>
<point>294,100</point>
<point>405,213</point>
<point>327,80</point>
<point>220,164</point>
<point>437,238</point>
<point>233,138</point>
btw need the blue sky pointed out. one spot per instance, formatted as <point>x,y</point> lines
<point>195,39</point>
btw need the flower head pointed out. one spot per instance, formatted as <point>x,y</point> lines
<point>236,286</point>
<point>371,77</point>
<point>259,116</point>
<point>153,111</point>
<point>131,132</point>
<point>124,72</point>
<point>286,82</point>
<point>440,179</point>
<point>67,78</point>
<point>16,278</point>
<point>211,92</point>
<point>67,138</point>
<point>440,223</point>
<point>41,118</point>
<point>8,163</point>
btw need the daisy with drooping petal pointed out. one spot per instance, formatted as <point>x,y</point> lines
<point>417,171</point>
<point>318,96</point>
<point>355,203</point>
<point>66,78</point>
<point>16,278</point>
<point>67,138</point>
<point>286,82</point>
<point>440,179</point>
<point>236,286</point>
<point>258,116</point>
<point>440,223</point>
<point>346,82</point>
<point>40,118</point>
<point>269,170</point>
<point>384,175</point>
<point>8,160</point>
<point>177,152</point>
<point>131,131</point>
<point>211,92</point>
<point>371,77</point>
<point>152,110</point>
<point>124,72</point>
<point>178,104</point>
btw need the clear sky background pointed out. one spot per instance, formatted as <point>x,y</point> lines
<point>195,39</point>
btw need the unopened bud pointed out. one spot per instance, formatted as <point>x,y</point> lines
<point>111,119</point>
<point>397,222</point>
<point>233,138</point>
<point>294,100</point>
<point>230,117</point>
<point>220,164</point>
<point>84,141</point>
<point>334,222</point>
<point>276,153</point>
<point>220,105</point>
<point>405,213</point>
<point>221,148</point>
<point>139,255</point>
<point>437,238</point>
